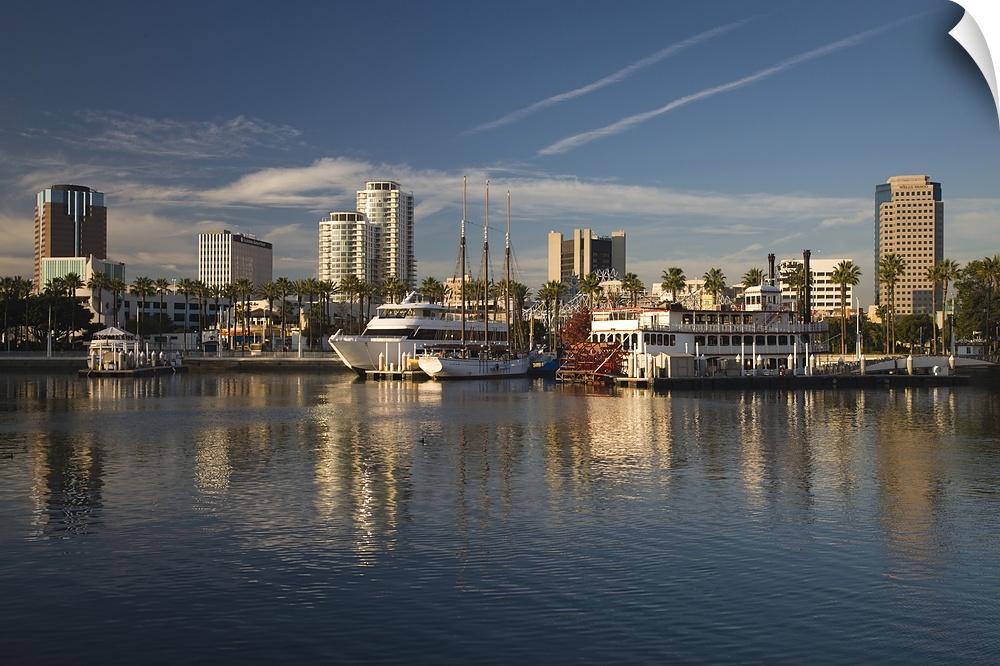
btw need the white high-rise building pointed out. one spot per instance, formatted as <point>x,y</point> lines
<point>349,245</point>
<point>909,222</point>
<point>391,210</point>
<point>225,257</point>
<point>824,292</point>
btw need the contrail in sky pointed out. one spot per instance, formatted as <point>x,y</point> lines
<point>620,75</point>
<point>577,140</point>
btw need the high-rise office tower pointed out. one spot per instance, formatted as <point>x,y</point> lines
<point>349,245</point>
<point>225,257</point>
<point>391,210</point>
<point>586,253</point>
<point>70,221</point>
<point>909,222</point>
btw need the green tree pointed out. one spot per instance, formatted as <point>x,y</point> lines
<point>99,282</point>
<point>674,281</point>
<point>72,282</point>
<point>432,288</point>
<point>590,286</point>
<point>715,283</point>
<point>890,269</point>
<point>393,289</point>
<point>845,274</point>
<point>186,288</point>
<point>350,287</point>
<point>142,288</point>
<point>270,292</point>
<point>633,286</point>
<point>950,272</point>
<point>552,293</point>
<point>117,287</point>
<point>753,277</point>
<point>15,291</point>
<point>162,286</point>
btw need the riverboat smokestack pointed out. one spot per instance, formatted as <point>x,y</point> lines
<point>770,270</point>
<point>807,309</point>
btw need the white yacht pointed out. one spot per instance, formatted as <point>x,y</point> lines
<point>398,332</point>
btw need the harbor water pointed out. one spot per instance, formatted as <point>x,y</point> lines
<point>316,518</point>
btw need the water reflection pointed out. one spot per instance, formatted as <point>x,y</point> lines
<point>67,485</point>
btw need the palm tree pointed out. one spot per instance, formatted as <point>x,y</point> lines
<point>326,290</point>
<point>229,292</point>
<point>633,286</point>
<point>553,292</point>
<point>54,289</point>
<point>934,275</point>
<point>990,274</point>
<point>202,292</point>
<point>117,287</point>
<point>673,281</point>
<point>72,282</point>
<point>186,288</point>
<point>350,286</point>
<point>753,277</point>
<point>590,286</point>
<point>393,289</point>
<point>162,286</point>
<point>715,283</point>
<point>367,292</point>
<point>795,277</point>
<point>14,290</point>
<point>890,268</point>
<point>243,289</point>
<point>270,292</point>
<point>99,282</point>
<point>312,291</point>
<point>301,288</point>
<point>950,271</point>
<point>284,289</point>
<point>432,288</point>
<point>142,287</point>
<point>845,273</point>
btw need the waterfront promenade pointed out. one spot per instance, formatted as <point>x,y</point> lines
<point>236,362</point>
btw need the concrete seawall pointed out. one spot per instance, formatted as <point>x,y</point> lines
<point>812,383</point>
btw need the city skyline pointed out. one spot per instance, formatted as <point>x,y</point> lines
<point>711,142</point>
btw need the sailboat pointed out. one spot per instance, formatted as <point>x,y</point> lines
<point>486,359</point>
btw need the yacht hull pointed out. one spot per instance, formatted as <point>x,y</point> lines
<point>443,367</point>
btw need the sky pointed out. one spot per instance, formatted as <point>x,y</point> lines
<point>712,133</point>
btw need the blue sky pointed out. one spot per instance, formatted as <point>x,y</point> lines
<point>711,132</point>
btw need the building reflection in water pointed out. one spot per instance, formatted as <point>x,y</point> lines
<point>473,455</point>
<point>67,491</point>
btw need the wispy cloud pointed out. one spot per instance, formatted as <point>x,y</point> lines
<point>577,140</point>
<point>202,139</point>
<point>611,79</point>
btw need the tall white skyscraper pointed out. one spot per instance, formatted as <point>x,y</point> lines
<point>349,245</point>
<point>391,210</point>
<point>909,222</point>
<point>225,257</point>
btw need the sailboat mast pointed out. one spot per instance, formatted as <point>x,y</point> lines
<point>506,277</point>
<point>461,252</point>
<point>486,270</point>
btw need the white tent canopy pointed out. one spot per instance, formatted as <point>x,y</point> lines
<point>113,333</point>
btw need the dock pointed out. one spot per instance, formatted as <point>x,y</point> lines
<point>403,375</point>
<point>144,371</point>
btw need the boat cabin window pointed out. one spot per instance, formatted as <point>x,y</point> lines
<point>783,340</point>
<point>699,340</point>
<point>687,320</point>
<point>724,340</point>
<point>772,340</point>
<point>759,340</point>
<point>713,341</point>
